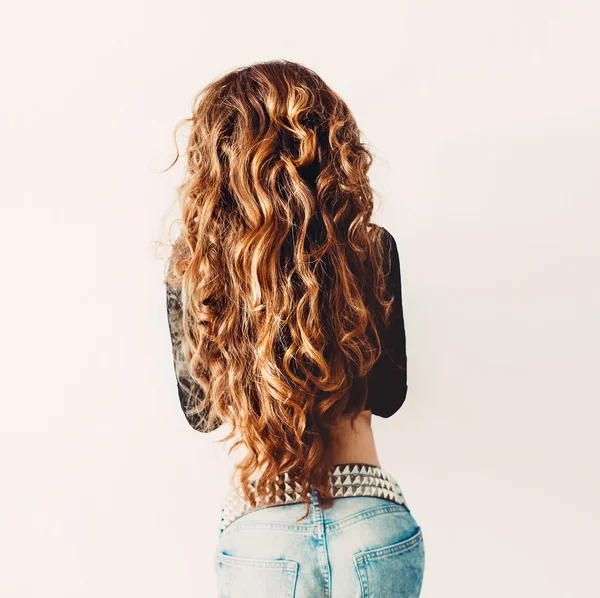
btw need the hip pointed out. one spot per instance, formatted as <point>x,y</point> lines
<point>360,546</point>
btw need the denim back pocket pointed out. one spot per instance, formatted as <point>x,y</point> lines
<point>393,570</point>
<point>241,577</point>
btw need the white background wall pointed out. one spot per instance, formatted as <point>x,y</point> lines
<point>485,123</point>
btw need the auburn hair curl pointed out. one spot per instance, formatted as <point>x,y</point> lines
<point>279,270</point>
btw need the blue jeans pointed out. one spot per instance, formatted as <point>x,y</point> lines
<point>360,547</point>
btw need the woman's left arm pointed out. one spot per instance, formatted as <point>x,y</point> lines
<point>190,392</point>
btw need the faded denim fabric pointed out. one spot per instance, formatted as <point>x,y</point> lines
<point>360,547</point>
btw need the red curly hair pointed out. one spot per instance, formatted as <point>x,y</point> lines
<point>278,268</point>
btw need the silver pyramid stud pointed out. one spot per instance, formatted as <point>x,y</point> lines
<point>347,480</point>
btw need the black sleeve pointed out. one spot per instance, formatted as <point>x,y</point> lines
<point>387,381</point>
<point>188,389</point>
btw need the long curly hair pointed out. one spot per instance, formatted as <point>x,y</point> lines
<point>279,270</point>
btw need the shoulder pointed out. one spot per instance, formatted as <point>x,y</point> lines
<point>388,240</point>
<point>385,233</point>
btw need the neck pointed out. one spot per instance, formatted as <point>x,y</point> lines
<point>355,444</point>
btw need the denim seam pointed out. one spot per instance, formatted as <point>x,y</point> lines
<point>319,521</point>
<point>234,561</point>
<point>373,555</point>
<point>303,529</point>
<point>292,573</point>
<point>362,577</point>
<point>362,515</point>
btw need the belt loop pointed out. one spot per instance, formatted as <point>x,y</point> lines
<point>315,505</point>
<point>314,494</point>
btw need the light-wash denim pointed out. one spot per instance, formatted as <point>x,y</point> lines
<point>360,547</point>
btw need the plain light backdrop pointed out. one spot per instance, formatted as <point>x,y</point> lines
<point>484,120</point>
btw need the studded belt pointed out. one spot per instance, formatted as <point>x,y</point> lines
<point>348,479</point>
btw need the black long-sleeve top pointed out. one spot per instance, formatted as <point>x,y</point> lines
<point>386,381</point>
